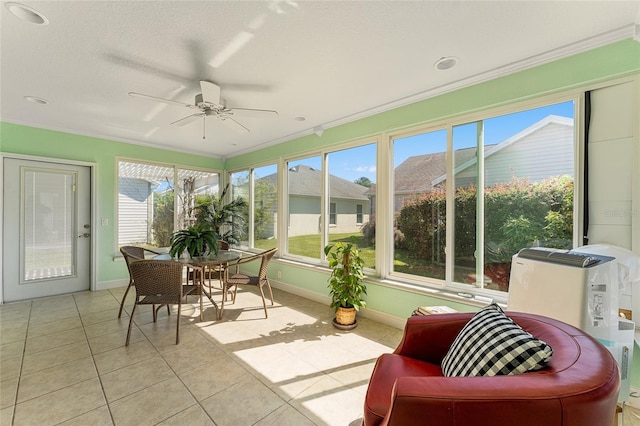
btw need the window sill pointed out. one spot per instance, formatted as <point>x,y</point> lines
<point>453,295</point>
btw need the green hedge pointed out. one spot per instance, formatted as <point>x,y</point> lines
<point>517,214</point>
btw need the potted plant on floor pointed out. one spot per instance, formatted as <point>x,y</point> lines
<point>197,240</point>
<point>345,283</point>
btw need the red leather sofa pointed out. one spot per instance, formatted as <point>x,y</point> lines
<point>579,386</point>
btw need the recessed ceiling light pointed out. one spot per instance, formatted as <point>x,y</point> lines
<point>445,63</point>
<point>37,100</point>
<point>27,13</point>
<point>299,118</point>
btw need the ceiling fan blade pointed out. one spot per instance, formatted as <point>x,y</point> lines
<point>155,98</point>
<point>188,119</point>
<point>210,92</point>
<point>252,112</point>
<point>234,125</point>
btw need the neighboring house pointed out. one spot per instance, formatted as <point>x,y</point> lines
<point>541,150</point>
<point>349,205</point>
<point>135,201</point>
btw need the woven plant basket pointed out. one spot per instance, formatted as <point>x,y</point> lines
<point>346,316</point>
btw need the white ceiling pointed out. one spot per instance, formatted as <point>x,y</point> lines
<point>328,61</point>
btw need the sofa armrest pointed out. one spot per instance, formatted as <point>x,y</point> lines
<point>429,337</point>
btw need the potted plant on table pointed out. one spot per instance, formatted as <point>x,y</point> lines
<point>197,240</point>
<point>345,283</point>
<point>226,218</point>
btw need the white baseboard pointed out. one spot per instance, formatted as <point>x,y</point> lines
<point>106,285</point>
<point>382,317</point>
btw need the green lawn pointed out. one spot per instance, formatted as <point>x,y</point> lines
<point>309,246</point>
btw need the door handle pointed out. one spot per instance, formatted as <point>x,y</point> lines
<point>85,235</point>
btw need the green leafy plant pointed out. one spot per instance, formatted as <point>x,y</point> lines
<point>226,219</point>
<point>345,283</point>
<point>197,240</point>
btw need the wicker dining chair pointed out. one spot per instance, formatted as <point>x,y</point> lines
<point>159,282</point>
<point>238,279</point>
<point>131,253</point>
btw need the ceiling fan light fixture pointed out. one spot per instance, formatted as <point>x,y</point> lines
<point>27,13</point>
<point>445,63</point>
<point>37,100</point>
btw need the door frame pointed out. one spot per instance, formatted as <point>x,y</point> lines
<point>92,196</point>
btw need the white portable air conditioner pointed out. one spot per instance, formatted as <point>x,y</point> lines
<point>580,289</point>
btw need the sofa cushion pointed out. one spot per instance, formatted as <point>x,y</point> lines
<point>491,344</point>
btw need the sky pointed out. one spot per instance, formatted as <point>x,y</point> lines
<point>354,163</point>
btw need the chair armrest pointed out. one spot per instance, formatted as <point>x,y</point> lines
<point>244,260</point>
<point>429,337</point>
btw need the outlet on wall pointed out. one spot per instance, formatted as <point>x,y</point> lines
<point>279,274</point>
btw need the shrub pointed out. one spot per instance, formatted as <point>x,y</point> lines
<point>517,214</point>
<point>369,230</point>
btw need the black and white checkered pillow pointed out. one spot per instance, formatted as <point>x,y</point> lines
<point>491,344</point>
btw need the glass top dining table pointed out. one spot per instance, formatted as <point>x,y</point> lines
<point>210,264</point>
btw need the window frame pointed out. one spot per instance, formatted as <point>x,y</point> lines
<point>384,196</point>
<point>448,284</point>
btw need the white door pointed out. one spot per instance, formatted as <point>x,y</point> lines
<point>47,229</point>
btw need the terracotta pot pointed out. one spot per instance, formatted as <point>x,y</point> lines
<point>346,316</point>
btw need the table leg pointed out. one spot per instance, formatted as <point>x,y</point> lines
<point>210,294</point>
<point>223,275</point>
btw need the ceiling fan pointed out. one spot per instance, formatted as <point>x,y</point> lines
<point>210,103</point>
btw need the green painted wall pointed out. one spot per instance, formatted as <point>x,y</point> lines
<point>597,65</point>
<point>25,140</point>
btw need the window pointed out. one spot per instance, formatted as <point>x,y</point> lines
<point>260,186</point>
<point>304,223</point>
<point>351,190</point>
<point>463,197</point>
<point>156,199</point>
<point>240,187</point>
<point>265,206</point>
<point>332,214</point>
<point>323,192</point>
<point>419,200</point>
<point>506,185</point>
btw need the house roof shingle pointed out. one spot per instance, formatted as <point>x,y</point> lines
<point>305,181</point>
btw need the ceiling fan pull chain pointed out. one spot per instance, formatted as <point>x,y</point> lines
<point>204,126</point>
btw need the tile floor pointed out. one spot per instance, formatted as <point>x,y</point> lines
<point>63,361</point>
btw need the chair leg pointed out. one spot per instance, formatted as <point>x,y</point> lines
<point>201,305</point>
<point>156,310</point>
<point>224,291</point>
<point>264,303</point>
<point>124,298</point>
<point>270,292</point>
<point>178,324</point>
<point>131,322</point>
